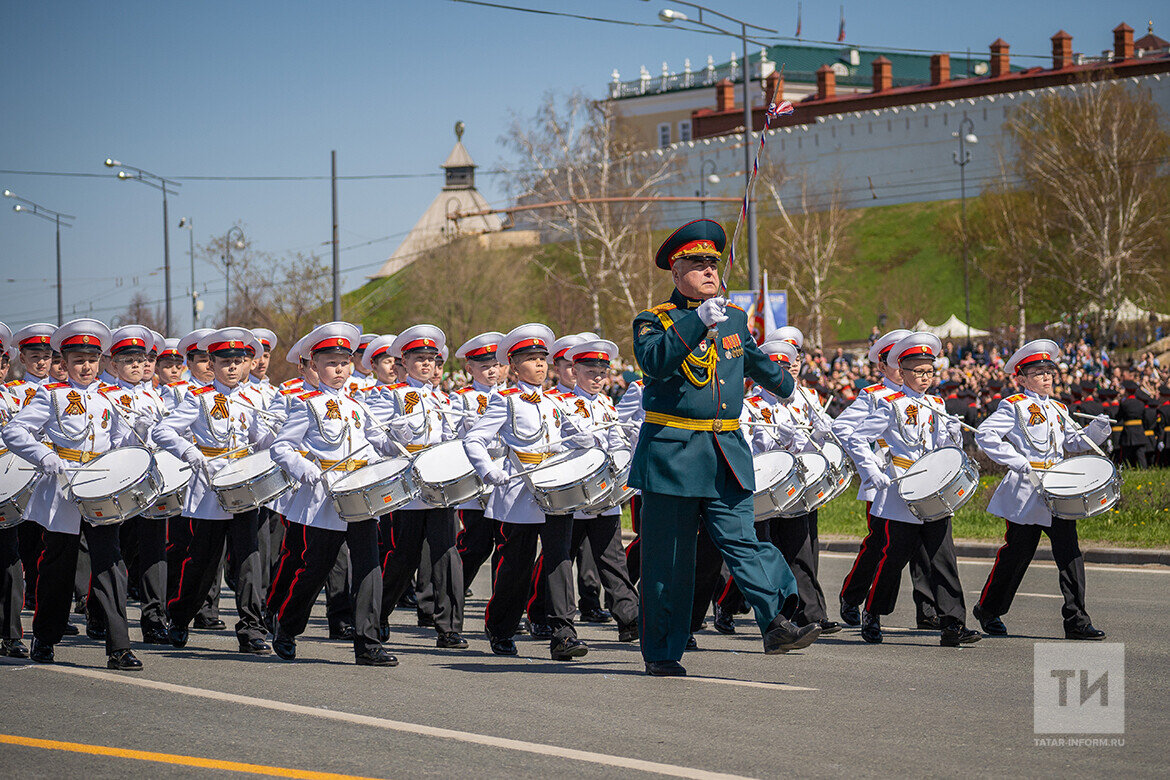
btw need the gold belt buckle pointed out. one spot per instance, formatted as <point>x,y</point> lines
<point>716,426</point>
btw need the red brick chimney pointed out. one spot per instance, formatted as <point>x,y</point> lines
<point>999,58</point>
<point>940,68</point>
<point>1122,42</point>
<point>724,95</point>
<point>773,88</point>
<point>883,77</point>
<point>1061,50</point>
<point>826,83</point>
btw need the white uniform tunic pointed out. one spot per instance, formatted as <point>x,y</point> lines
<point>420,407</point>
<point>217,419</point>
<point>141,406</point>
<point>910,425</point>
<point>327,426</point>
<point>79,422</point>
<point>588,413</point>
<point>862,407</point>
<point>173,393</point>
<point>263,387</point>
<point>23,390</point>
<point>764,407</point>
<point>472,401</point>
<point>529,424</point>
<point>357,383</point>
<point>1029,429</point>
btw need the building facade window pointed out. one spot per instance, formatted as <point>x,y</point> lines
<point>684,130</point>
<point>664,135</point>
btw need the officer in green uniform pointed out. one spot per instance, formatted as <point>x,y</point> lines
<point>692,461</point>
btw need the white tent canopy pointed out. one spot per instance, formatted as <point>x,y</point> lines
<point>1128,311</point>
<point>954,328</point>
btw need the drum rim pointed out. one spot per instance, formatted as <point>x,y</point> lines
<point>151,467</point>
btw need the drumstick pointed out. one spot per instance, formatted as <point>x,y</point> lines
<point>258,410</point>
<point>126,420</point>
<point>75,468</point>
<point>1082,431</point>
<point>529,471</point>
<point>911,474</point>
<point>347,458</point>
<point>229,452</point>
<point>956,419</point>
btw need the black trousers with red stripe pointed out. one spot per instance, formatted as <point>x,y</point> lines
<point>1011,563</point>
<point>199,571</point>
<point>178,543</point>
<point>408,530</point>
<point>321,549</point>
<point>291,558</point>
<point>11,584</point>
<point>476,542</point>
<point>151,539</point>
<point>31,544</point>
<point>708,568</point>
<point>859,580</point>
<point>56,568</point>
<point>797,540</point>
<point>902,541</point>
<point>512,577</point>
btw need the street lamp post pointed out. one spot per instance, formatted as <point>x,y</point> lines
<point>189,224</point>
<point>238,232</point>
<point>668,15</point>
<point>159,183</point>
<point>705,179</point>
<point>966,135</point>
<point>25,206</point>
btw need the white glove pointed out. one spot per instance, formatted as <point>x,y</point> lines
<point>712,311</point>
<point>880,480</point>
<point>142,429</point>
<point>313,476</point>
<point>400,427</point>
<point>583,440</point>
<point>1104,423</point>
<point>52,465</point>
<point>1161,446</point>
<point>496,477</point>
<point>194,457</point>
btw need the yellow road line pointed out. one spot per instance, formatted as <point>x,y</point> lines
<point>170,758</point>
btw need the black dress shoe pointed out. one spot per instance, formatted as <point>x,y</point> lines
<point>41,652</point>
<point>205,624</point>
<point>724,620</point>
<point>628,632</point>
<point>665,669</point>
<point>931,623</point>
<point>285,647</point>
<point>783,635</point>
<point>451,640</point>
<point>383,632</point>
<point>124,661</point>
<point>425,620</point>
<point>540,630</point>
<point>691,643</point>
<point>568,648</point>
<point>829,626</point>
<point>347,633</point>
<point>177,635</point>
<point>407,600</point>
<point>94,632</point>
<point>71,630</point>
<point>155,636</point>
<point>501,646</point>
<point>595,615</point>
<point>13,648</point>
<point>850,614</point>
<point>376,657</point>
<point>255,647</point>
<point>1084,632</point>
<point>990,624</point>
<point>957,634</point>
<point>871,628</point>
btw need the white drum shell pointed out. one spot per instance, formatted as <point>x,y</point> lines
<point>819,482</point>
<point>784,487</point>
<point>264,482</point>
<point>620,462</point>
<point>1098,495</point>
<point>16,490</point>
<point>571,495</point>
<point>125,502</point>
<point>172,495</point>
<point>841,466</point>
<point>955,488</point>
<point>454,490</point>
<point>379,497</point>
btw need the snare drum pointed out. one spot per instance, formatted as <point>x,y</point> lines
<point>1081,487</point>
<point>176,475</point>
<point>374,490</point>
<point>779,482</point>
<point>16,485</point>
<point>620,491</point>
<point>249,482</point>
<point>819,483</point>
<point>840,465</point>
<point>445,476</point>
<point>940,482</point>
<point>572,481</point>
<point>116,486</point>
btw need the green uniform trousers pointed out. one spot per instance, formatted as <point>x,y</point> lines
<point>670,526</point>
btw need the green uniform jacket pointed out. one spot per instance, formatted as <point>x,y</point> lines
<point>681,462</point>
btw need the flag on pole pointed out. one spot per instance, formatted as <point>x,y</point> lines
<point>756,324</point>
<point>841,29</point>
<point>798,10</point>
<point>769,316</point>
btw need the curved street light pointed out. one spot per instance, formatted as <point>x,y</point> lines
<point>25,206</point>
<point>965,135</point>
<point>704,180</point>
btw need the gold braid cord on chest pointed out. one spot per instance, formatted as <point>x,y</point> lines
<point>708,360</point>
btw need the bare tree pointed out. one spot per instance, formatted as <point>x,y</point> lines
<point>807,246</point>
<point>574,154</point>
<point>140,312</point>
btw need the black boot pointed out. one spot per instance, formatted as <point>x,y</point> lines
<point>991,624</point>
<point>724,620</point>
<point>783,635</point>
<point>376,657</point>
<point>13,648</point>
<point>568,648</point>
<point>501,646</point>
<point>124,661</point>
<point>955,634</point>
<point>42,652</point>
<point>665,669</point>
<point>850,614</point>
<point>871,628</point>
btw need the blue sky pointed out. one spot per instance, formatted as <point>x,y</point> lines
<point>269,88</point>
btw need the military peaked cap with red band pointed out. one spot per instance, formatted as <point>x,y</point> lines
<point>481,347</point>
<point>780,351</point>
<point>229,342</point>
<point>789,333</point>
<point>525,338</point>
<point>882,347</point>
<point>190,342</point>
<point>266,338</point>
<point>339,337</point>
<point>83,334</point>
<point>701,238</point>
<point>560,348</point>
<point>599,351</point>
<point>131,339</point>
<point>419,337</point>
<point>920,344</point>
<point>376,348</point>
<point>36,335</point>
<point>170,349</point>
<point>1033,353</point>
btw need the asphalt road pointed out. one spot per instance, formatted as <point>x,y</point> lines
<point>906,707</point>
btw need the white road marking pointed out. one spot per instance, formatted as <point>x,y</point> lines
<point>1033,595</point>
<point>742,683</point>
<point>1153,569</point>
<point>670,770</point>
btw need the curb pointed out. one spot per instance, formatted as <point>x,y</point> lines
<point>964,549</point>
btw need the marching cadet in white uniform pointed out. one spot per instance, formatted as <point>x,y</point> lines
<point>220,420</point>
<point>1028,433</point>
<point>529,424</point>
<point>593,413</point>
<point>858,581</point>
<point>141,407</point>
<point>478,534</point>
<point>11,574</point>
<point>361,379</point>
<point>270,530</point>
<point>198,369</point>
<point>327,435</point>
<point>76,423</point>
<point>911,423</point>
<point>168,367</point>
<point>631,414</point>
<point>412,411</point>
